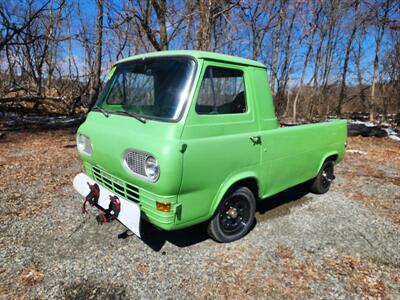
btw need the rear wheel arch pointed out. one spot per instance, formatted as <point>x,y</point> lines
<point>333,156</point>
<point>322,183</point>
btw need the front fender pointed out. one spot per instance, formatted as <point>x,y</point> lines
<point>227,184</point>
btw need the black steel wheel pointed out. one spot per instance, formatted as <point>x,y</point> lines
<point>322,182</point>
<point>234,216</point>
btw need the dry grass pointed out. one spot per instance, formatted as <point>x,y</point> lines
<point>360,276</point>
<point>285,277</point>
<point>25,280</point>
<point>388,209</point>
<point>34,169</point>
<point>30,277</point>
<point>289,277</point>
<point>283,252</point>
<point>360,170</point>
<point>380,150</point>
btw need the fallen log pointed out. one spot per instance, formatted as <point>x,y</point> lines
<point>29,98</point>
<point>41,122</point>
<point>365,131</point>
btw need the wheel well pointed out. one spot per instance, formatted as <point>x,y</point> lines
<point>251,183</point>
<point>332,157</point>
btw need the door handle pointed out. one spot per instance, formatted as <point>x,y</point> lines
<point>256,139</point>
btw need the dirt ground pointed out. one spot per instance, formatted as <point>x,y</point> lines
<point>344,244</point>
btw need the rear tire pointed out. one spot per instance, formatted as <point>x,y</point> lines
<point>234,216</point>
<point>322,182</point>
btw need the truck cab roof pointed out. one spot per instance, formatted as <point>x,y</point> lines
<point>197,55</point>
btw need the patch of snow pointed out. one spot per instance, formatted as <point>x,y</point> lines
<point>392,134</point>
<point>394,137</point>
<point>357,151</point>
<point>368,124</point>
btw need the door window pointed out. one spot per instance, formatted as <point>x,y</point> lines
<point>222,91</point>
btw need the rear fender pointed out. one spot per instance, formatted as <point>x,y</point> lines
<point>324,158</point>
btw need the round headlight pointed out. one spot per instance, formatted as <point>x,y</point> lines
<point>84,145</point>
<point>152,168</point>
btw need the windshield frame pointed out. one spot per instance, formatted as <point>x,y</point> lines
<point>107,88</point>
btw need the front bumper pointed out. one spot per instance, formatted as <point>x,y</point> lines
<point>145,199</point>
<point>129,214</point>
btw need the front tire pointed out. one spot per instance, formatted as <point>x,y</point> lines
<point>322,182</point>
<point>234,216</point>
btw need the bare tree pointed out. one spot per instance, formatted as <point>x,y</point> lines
<point>209,11</point>
<point>258,18</point>
<point>316,13</point>
<point>158,38</point>
<point>277,43</point>
<point>11,29</point>
<point>349,44</point>
<point>150,10</point>
<point>286,67</point>
<point>52,57</point>
<point>380,15</point>
<point>96,82</point>
<point>205,8</point>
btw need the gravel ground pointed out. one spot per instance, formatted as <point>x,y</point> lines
<point>344,244</point>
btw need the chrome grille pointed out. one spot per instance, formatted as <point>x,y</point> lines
<point>135,161</point>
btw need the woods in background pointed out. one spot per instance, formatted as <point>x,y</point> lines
<point>323,57</point>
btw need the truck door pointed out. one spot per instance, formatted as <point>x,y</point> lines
<point>284,156</point>
<point>218,131</point>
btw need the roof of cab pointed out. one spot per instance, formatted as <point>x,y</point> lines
<point>197,55</point>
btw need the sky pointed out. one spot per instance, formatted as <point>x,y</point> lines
<point>88,12</point>
<point>368,45</point>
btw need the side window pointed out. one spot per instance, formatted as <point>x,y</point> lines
<point>222,91</point>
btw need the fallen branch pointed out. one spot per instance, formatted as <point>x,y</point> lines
<point>29,98</point>
<point>43,122</point>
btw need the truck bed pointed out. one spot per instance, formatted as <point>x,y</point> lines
<point>294,154</point>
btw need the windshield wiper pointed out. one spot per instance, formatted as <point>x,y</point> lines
<point>105,113</point>
<point>134,115</point>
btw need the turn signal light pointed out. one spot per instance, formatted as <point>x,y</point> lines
<point>164,207</point>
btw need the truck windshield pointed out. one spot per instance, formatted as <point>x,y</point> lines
<point>154,88</point>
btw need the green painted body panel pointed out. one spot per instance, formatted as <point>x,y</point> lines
<point>219,151</point>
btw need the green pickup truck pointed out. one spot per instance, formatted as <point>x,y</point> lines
<point>183,137</point>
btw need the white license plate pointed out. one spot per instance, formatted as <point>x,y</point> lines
<point>130,211</point>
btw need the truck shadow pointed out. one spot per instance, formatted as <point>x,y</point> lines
<point>156,239</point>
<point>268,208</point>
<point>280,204</point>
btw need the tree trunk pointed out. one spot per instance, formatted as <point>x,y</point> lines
<point>189,20</point>
<point>372,101</point>
<point>347,56</point>
<point>161,12</point>
<point>97,63</point>
<point>286,68</point>
<point>204,31</point>
<point>277,44</point>
<point>381,26</point>
<point>303,72</point>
